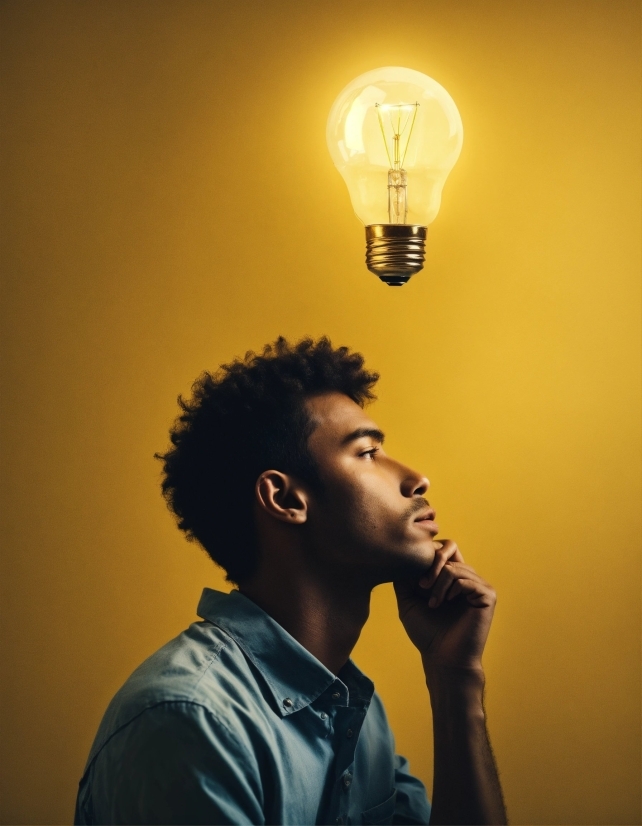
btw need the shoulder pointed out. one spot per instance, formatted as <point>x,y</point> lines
<point>200,676</point>
<point>175,757</point>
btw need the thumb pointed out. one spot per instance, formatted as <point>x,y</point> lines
<point>407,590</point>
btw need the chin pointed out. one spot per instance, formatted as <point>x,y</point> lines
<point>409,562</point>
<point>420,556</point>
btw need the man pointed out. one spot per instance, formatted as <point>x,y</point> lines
<point>257,715</point>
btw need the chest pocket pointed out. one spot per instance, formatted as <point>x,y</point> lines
<point>383,813</point>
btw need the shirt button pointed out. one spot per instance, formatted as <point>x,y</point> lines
<point>336,695</point>
<point>349,733</point>
<point>347,779</point>
<point>323,715</point>
<point>287,702</point>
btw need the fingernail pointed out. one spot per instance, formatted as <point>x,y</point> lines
<point>432,602</point>
<point>424,582</point>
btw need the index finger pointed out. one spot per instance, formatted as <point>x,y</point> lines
<point>446,552</point>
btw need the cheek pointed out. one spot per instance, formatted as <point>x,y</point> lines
<point>360,502</point>
<point>348,508</point>
<point>369,509</point>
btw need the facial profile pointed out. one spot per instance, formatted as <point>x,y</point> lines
<point>371,513</point>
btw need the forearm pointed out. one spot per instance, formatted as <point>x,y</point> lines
<point>466,787</point>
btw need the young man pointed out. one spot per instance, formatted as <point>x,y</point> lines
<point>257,715</point>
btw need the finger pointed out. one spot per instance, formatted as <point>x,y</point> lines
<point>479,594</point>
<point>444,581</point>
<point>448,550</point>
<point>454,591</point>
<point>451,572</point>
<point>459,568</point>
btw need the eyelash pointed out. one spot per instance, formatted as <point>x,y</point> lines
<point>371,452</point>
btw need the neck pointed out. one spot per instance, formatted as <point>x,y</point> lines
<point>323,610</point>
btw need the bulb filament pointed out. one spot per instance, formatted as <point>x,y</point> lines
<point>398,124</point>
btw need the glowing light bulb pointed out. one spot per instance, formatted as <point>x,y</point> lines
<point>394,134</point>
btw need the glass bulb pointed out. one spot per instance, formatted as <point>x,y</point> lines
<point>394,134</point>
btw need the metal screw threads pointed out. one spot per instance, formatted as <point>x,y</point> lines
<point>395,252</point>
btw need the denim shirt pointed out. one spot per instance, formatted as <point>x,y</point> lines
<point>233,721</point>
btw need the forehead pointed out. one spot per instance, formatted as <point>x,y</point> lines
<point>334,416</point>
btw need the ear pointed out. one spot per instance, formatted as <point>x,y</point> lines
<point>282,497</point>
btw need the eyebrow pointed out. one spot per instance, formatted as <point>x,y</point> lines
<point>360,432</point>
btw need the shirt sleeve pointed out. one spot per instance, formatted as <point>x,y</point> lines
<point>412,804</point>
<point>175,763</point>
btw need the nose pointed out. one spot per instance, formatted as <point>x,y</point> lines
<point>413,483</point>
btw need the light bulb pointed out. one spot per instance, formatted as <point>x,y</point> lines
<point>394,134</point>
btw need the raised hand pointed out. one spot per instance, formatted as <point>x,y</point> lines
<point>447,615</point>
<point>448,612</point>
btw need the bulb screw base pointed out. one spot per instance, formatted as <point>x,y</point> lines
<point>395,252</point>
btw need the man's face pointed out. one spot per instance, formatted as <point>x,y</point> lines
<point>371,515</point>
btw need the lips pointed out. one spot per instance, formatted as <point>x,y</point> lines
<point>426,519</point>
<point>428,514</point>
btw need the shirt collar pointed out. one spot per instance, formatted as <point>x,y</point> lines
<point>294,676</point>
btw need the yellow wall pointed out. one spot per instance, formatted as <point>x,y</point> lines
<point>169,202</point>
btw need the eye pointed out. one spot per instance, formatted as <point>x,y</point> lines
<point>370,453</point>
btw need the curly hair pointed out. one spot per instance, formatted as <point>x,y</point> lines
<point>248,417</point>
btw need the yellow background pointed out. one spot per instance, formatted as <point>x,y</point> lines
<point>169,202</point>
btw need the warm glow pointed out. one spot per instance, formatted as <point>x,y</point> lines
<point>394,134</point>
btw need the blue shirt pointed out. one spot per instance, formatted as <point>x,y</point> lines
<point>234,721</point>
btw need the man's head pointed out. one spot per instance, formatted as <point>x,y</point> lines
<point>283,435</point>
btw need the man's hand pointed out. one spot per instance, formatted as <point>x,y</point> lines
<point>448,613</point>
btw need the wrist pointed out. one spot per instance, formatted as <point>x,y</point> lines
<point>456,689</point>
